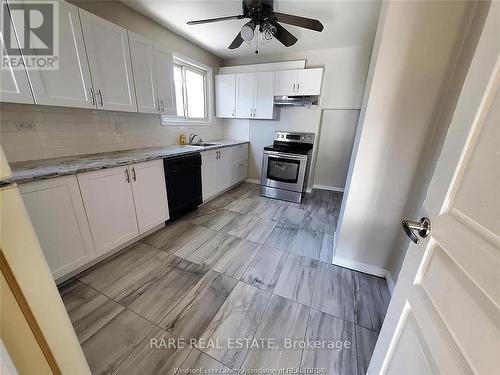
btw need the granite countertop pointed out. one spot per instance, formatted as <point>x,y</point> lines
<point>32,170</point>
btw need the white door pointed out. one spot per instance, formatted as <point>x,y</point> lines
<point>444,316</point>
<point>150,194</point>
<point>223,170</point>
<point>56,210</point>
<point>143,64</point>
<point>286,82</point>
<point>225,95</point>
<point>109,203</point>
<point>208,177</point>
<point>70,85</point>
<point>165,80</point>
<point>309,81</point>
<point>109,59</point>
<point>14,86</point>
<point>245,83</point>
<point>264,95</point>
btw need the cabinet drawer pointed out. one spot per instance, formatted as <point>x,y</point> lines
<point>240,152</point>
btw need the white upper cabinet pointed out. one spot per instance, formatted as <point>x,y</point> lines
<point>70,85</point>
<point>225,94</point>
<point>264,95</point>
<point>309,81</point>
<point>109,203</point>
<point>14,85</point>
<point>255,95</point>
<point>110,66</point>
<point>150,194</point>
<point>286,82</point>
<point>143,62</point>
<point>245,95</point>
<point>153,69</point>
<point>298,82</point>
<point>164,64</point>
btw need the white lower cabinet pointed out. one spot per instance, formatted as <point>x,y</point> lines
<point>223,168</point>
<point>150,194</point>
<point>208,178</point>
<point>56,210</point>
<point>109,203</point>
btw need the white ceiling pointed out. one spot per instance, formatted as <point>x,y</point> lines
<point>346,23</point>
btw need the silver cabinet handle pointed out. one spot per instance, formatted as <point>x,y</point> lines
<point>92,95</point>
<point>162,105</point>
<point>422,227</point>
<point>99,92</point>
<point>127,176</point>
<point>158,104</point>
<point>293,87</point>
<point>298,87</point>
<point>134,177</point>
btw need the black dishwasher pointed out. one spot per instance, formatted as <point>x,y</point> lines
<point>183,179</point>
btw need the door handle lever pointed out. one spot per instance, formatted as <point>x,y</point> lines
<point>422,227</point>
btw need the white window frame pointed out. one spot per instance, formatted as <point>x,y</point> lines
<point>209,93</point>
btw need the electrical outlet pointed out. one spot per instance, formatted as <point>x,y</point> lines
<point>164,120</point>
<point>25,125</point>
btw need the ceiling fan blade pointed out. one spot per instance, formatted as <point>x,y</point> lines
<point>307,23</point>
<point>283,35</point>
<point>236,42</point>
<point>210,20</point>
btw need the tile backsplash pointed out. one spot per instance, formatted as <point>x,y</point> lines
<point>60,131</point>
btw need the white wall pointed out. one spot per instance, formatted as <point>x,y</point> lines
<point>416,48</point>
<point>343,86</point>
<point>338,128</point>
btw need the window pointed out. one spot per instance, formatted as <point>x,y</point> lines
<point>190,91</point>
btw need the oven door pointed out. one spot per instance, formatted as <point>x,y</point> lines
<point>283,170</point>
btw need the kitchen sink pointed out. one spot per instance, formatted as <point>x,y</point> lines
<point>204,144</point>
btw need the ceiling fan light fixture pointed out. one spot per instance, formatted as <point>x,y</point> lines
<point>248,31</point>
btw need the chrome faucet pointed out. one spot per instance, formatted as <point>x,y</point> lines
<point>192,136</point>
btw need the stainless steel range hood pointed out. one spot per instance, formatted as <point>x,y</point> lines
<point>296,101</point>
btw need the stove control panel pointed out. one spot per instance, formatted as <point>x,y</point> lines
<point>297,137</point>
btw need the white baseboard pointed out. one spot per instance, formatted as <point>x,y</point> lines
<point>366,268</point>
<point>325,187</point>
<point>390,282</point>
<point>249,180</point>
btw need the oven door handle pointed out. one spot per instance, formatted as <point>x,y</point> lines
<point>283,155</point>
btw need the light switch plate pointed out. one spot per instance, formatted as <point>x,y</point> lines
<point>25,125</point>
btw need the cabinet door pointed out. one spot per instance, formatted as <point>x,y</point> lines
<point>208,173</point>
<point>165,80</point>
<point>109,59</point>
<point>239,171</point>
<point>143,63</point>
<point>309,81</point>
<point>264,95</point>
<point>150,194</point>
<point>286,82</point>
<point>224,168</point>
<point>56,210</point>
<point>14,86</point>
<point>70,85</point>
<point>245,95</point>
<point>109,203</point>
<point>225,95</point>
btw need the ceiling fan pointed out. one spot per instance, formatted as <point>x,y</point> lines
<point>266,21</point>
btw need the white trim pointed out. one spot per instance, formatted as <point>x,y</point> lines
<point>251,181</point>
<point>266,67</point>
<point>390,282</point>
<point>361,267</point>
<point>309,190</point>
<point>326,187</point>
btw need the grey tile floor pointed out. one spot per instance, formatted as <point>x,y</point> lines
<point>240,267</point>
